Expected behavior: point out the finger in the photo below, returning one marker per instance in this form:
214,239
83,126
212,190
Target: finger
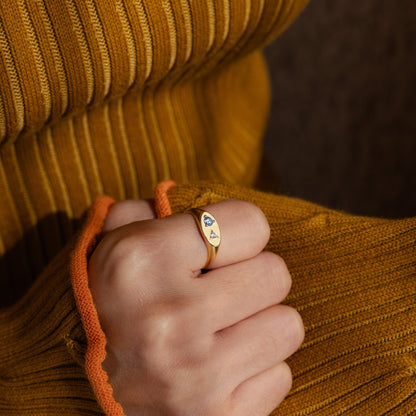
232,293
174,246
259,342
126,212
262,393
244,233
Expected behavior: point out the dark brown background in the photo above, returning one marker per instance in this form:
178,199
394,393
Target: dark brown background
342,131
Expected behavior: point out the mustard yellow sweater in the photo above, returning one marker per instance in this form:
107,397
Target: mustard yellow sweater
114,96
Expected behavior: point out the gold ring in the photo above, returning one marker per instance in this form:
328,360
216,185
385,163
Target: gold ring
209,230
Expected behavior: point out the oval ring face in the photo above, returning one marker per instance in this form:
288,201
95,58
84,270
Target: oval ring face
210,229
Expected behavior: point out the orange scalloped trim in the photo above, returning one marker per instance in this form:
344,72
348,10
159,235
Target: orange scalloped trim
95,336
79,277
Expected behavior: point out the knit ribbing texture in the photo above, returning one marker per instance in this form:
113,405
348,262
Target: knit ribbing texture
112,97
42,350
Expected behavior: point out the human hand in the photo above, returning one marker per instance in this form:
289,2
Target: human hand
183,344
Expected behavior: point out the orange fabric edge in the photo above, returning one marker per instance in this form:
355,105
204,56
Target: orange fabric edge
162,206
95,336
96,353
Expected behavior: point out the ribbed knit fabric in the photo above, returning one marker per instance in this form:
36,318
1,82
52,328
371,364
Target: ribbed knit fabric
113,96
42,349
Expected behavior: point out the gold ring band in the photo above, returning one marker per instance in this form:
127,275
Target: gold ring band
210,231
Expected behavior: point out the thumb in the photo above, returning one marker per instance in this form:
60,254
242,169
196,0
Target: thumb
126,212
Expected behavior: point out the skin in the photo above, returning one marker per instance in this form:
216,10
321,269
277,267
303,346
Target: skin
182,343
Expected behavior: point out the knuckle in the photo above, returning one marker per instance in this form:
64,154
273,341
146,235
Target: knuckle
256,219
115,216
124,256
136,250
251,215
170,331
158,329
276,269
113,271
125,212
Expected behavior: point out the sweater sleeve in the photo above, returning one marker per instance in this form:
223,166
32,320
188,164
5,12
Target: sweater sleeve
43,342
354,281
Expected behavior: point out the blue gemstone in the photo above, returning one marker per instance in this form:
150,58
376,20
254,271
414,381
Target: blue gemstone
208,221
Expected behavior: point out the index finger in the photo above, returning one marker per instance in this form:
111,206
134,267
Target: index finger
174,244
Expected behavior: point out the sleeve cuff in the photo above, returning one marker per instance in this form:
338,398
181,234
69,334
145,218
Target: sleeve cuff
96,353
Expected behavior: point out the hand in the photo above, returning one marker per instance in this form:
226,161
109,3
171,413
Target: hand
179,343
